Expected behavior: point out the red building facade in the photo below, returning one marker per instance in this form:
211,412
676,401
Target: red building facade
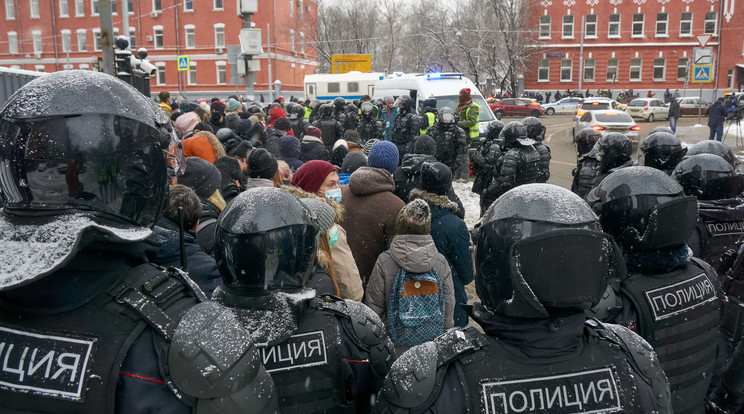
51,35
634,44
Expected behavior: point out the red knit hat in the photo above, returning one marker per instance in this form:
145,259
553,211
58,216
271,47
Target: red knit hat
310,175
199,146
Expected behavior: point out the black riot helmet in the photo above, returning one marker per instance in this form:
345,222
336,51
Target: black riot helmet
339,104
662,129
406,101
446,116
494,129
265,240
325,110
291,112
298,110
532,228
314,104
351,108
713,147
614,150
367,108
515,134
644,209
535,128
84,142
255,108
708,177
430,103
662,150
585,140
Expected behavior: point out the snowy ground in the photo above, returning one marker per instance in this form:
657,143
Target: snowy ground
470,201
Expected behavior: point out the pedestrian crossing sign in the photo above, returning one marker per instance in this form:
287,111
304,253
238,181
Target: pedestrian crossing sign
183,62
701,74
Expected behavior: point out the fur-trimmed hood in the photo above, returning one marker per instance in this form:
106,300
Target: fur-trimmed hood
434,200
300,193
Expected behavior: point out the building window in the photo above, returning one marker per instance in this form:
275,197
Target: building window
94,7
613,30
38,46
589,65
662,20
190,36
82,40
659,69
34,9
79,8
637,25
160,74
219,35
291,8
302,43
292,40
188,5
9,10
192,74
67,66
39,68
132,38
66,40
568,23
711,20
96,39
334,87
302,9
64,9
682,65
544,27
590,28
566,69
543,70
217,4
612,69
730,81
157,36
221,73
635,69
685,24
157,5
130,6
12,43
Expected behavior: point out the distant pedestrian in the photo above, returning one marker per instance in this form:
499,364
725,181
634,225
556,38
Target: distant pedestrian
548,94
674,113
716,116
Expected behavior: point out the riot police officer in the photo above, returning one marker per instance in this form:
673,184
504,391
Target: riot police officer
713,147
537,342
671,299
339,110
369,127
428,114
406,127
614,151
314,114
90,325
536,132
352,117
587,161
484,160
331,129
450,139
323,353
518,164
296,115
662,150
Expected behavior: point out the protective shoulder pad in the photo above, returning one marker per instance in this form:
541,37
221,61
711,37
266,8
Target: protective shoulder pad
368,327
411,379
213,359
456,342
645,359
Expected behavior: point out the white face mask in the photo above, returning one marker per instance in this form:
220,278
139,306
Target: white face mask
334,194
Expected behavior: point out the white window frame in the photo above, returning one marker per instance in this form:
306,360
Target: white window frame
9,10
160,71
683,21
632,67
610,24
714,20
132,38
659,62
38,41
683,62
292,41
730,79
567,24
217,42
84,66
189,30
570,69
221,68
291,8
615,68
33,8
40,68
191,72
68,66
664,23
66,40
79,8
188,10
302,10
545,27
82,34
130,7
96,39
94,6
590,63
216,3
13,43
155,30
157,6
633,34
543,64
64,8
302,44
593,24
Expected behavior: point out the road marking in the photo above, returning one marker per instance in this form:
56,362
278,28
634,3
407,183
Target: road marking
563,162
550,136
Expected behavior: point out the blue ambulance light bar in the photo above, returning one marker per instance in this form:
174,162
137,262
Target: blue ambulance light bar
438,75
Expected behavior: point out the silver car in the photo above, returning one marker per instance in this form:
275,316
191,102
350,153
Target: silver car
608,121
648,109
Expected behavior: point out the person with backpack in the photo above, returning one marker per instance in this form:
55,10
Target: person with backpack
410,287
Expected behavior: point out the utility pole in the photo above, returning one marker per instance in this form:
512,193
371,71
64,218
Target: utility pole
581,54
268,58
107,36
125,20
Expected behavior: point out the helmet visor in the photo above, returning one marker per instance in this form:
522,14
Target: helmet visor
446,117
100,163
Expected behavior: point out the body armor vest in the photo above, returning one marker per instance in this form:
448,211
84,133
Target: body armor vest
528,166
369,128
586,170
719,229
678,315
328,130
446,140
594,379
544,165
298,127
69,362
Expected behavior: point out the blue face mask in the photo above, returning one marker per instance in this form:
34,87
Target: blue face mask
333,235
334,194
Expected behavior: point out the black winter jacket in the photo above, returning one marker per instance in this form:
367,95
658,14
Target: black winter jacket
408,177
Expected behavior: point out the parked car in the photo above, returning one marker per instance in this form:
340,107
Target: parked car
689,105
648,109
516,107
598,104
606,121
564,106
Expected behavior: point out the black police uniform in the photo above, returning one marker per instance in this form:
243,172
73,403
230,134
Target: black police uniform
406,127
330,128
585,173
370,127
450,140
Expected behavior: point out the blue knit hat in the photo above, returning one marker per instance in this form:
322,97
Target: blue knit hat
384,154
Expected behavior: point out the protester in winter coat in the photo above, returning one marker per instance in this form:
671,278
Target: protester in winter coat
312,147
716,117
204,145
450,233
289,150
674,113
338,153
320,178
389,113
274,133
262,167
205,179
201,266
352,162
413,250
371,207
217,118
233,180
186,122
